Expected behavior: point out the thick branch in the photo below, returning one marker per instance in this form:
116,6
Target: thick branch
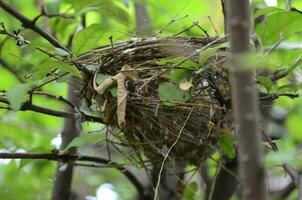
31,107
28,106
31,25
244,102
63,178
73,157
143,24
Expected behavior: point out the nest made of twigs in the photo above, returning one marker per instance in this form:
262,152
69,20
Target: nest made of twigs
187,127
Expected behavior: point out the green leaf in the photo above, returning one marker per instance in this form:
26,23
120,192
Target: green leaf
61,52
87,39
177,75
100,78
10,52
105,7
266,82
294,125
79,5
170,92
113,91
279,25
63,66
50,66
53,7
280,157
190,191
84,140
18,94
290,88
188,64
267,11
208,53
226,145
108,8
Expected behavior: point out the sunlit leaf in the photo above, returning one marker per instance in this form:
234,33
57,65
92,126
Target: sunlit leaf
190,191
226,145
87,39
279,25
63,66
108,8
18,94
100,78
266,82
280,157
170,92
204,55
178,75
291,88
267,11
61,52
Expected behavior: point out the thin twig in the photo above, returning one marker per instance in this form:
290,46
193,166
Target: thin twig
167,154
291,171
171,22
214,181
29,24
73,157
59,98
31,107
210,19
203,30
186,29
284,73
46,14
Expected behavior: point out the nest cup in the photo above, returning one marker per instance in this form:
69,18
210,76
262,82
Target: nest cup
177,94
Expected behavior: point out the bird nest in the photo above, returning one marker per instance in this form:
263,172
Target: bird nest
166,95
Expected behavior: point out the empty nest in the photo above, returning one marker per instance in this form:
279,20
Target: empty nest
177,93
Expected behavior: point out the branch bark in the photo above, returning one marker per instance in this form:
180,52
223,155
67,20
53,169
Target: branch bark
143,25
67,157
244,100
28,106
226,183
63,180
31,25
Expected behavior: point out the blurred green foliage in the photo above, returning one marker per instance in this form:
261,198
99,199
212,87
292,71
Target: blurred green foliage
29,131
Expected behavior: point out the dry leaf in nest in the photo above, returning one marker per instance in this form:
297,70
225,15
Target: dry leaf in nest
119,79
185,85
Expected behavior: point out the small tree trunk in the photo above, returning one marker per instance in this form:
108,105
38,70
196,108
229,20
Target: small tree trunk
244,101
63,178
143,25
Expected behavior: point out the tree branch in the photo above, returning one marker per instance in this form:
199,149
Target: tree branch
244,103
28,106
31,107
31,25
73,157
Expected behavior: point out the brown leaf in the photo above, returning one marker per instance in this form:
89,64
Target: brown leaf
185,85
105,85
121,99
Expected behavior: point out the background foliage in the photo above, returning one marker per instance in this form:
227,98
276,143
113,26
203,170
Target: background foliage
32,132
